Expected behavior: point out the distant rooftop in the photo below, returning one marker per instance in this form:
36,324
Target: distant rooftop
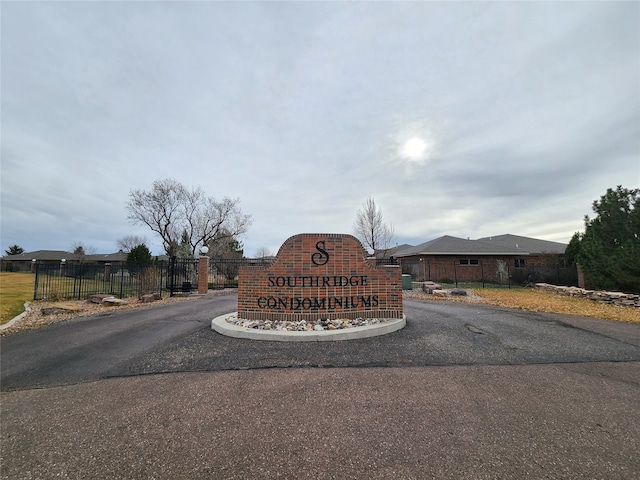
59,255
497,245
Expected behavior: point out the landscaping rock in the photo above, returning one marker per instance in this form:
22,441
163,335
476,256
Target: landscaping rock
429,287
612,298
439,293
98,298
113,301
459,292
148,298
61,309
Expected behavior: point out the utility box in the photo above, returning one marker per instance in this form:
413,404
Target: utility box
406,282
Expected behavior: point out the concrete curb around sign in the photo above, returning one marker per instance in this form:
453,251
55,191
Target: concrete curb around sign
220,325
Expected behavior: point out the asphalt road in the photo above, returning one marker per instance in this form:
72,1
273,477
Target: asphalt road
88,348
462,392
178,338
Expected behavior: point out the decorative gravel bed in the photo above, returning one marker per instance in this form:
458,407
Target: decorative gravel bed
304,325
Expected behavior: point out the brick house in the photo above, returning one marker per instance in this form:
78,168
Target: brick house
497,259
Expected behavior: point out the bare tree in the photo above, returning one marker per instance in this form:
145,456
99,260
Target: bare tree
263,252
224,245
170,208
128,242
81,250
371,229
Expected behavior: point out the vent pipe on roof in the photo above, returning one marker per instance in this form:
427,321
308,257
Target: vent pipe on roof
517,246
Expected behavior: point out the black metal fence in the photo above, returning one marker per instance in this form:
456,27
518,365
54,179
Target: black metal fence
223,272
182,275
59,281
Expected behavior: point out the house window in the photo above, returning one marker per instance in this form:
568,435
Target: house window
520,263
469,261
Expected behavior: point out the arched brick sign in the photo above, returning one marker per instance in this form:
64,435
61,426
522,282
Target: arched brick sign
320,276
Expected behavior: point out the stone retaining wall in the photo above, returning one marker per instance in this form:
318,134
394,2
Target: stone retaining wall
613,298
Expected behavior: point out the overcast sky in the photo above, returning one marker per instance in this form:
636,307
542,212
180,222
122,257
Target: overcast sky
521,115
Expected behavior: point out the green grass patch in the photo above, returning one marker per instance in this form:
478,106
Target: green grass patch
15,290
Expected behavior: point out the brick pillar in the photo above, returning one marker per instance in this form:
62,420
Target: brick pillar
203,274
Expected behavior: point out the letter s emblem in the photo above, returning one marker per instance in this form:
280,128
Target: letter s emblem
321,257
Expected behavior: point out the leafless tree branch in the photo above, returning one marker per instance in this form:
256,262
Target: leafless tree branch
170,208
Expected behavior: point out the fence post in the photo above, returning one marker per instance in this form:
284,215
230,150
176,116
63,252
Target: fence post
35,284
203,274
172,267
80,281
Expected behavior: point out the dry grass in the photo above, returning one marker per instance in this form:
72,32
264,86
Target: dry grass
539,301
15,290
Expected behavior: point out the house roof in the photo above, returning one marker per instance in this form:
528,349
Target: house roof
58,255
108,257
44,255
498,245
391,252
532,245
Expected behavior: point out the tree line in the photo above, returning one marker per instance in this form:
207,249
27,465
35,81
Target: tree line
187,219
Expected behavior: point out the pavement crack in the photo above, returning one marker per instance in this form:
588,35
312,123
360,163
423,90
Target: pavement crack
475,330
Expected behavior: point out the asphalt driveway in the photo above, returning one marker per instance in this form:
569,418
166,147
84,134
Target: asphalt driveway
463,391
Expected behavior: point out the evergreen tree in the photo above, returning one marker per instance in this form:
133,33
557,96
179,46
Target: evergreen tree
139,256
184,249
609,249
572,251
14,250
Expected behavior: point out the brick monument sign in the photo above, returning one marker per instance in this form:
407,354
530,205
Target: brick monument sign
317,276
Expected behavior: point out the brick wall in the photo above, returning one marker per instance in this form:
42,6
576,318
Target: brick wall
320,276
440,268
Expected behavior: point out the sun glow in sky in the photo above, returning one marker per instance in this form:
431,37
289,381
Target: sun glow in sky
414,148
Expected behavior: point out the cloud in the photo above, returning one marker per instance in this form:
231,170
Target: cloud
531,111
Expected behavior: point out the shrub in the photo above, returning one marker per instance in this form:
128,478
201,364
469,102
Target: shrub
149,280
